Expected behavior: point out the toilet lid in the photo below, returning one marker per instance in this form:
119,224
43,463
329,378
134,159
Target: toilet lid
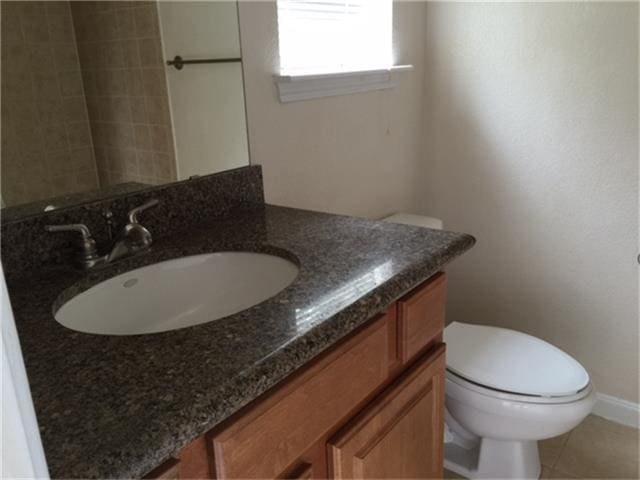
511,361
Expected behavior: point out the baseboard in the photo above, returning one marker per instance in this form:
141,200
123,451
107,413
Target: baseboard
617,410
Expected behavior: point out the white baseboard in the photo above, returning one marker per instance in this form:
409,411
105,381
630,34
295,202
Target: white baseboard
617,410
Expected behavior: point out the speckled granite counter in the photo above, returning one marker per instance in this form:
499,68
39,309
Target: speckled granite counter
117,406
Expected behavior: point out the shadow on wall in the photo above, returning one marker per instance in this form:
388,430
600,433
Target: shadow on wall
532,146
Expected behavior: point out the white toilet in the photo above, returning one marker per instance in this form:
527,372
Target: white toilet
505,390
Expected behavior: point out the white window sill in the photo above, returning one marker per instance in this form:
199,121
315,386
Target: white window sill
292,88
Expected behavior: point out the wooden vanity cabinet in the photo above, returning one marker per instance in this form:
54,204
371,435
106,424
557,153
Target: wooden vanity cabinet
372,407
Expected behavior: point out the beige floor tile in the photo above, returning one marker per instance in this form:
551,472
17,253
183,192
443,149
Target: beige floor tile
551,474
448,474
551,449
598,448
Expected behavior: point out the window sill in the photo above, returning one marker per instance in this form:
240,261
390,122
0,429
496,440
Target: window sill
292,88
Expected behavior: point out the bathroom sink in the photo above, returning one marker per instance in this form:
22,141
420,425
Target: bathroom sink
177,293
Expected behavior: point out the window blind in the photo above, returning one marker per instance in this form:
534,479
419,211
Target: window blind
334,35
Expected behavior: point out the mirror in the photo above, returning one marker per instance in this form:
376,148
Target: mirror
107,97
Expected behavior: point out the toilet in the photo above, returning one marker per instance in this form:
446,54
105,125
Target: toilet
505,391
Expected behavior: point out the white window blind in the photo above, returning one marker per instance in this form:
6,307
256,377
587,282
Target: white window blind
334,35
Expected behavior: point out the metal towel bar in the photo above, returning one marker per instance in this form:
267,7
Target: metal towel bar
178,62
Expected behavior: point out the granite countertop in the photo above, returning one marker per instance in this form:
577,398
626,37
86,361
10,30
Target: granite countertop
117,406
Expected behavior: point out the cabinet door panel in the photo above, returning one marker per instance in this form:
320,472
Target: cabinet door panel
399,434
302,471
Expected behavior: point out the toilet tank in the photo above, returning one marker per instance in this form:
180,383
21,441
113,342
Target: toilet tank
415,220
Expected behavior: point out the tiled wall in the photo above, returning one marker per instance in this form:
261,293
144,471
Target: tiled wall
125,85
46,141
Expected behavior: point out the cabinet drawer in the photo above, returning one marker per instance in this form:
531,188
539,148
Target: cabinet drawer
421,317
272,435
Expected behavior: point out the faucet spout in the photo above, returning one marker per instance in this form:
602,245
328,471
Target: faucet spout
133,238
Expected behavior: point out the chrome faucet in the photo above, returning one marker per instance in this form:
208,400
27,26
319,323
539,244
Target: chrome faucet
132,239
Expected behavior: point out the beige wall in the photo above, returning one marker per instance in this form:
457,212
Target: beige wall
354,154
46,144
529,141
531,144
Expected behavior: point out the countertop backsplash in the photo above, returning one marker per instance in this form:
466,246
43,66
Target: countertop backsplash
27,247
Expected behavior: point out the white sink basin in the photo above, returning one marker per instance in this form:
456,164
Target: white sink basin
177,293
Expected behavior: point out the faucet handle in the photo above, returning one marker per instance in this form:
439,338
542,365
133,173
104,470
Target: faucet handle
72,227
133,213
88,253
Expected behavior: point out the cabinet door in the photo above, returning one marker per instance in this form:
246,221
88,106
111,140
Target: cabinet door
399,434
275,434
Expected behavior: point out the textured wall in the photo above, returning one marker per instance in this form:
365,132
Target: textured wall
356,154
124,80
46,144
531,144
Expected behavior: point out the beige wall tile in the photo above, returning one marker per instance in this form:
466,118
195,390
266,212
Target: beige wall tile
164,164
70,82
11,27
45,85
122,109
55,137
65,56
63,184
130,55
35,28
109,26
50,111
78,134
157,110
40,58
138,109
82,159
134,82
160,138
149,51
146,21
142,136
16,53
113,54
153,80
86,180
75,110
146,163
58,8
58,162
126,24
60,28
17,85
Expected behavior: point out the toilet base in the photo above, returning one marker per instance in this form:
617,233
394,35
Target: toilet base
490,458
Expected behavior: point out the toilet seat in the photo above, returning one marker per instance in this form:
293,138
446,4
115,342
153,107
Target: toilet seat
504,361
516,397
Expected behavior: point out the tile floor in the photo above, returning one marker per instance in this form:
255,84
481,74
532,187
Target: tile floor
597,448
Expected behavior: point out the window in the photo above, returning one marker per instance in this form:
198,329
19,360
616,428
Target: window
329,36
